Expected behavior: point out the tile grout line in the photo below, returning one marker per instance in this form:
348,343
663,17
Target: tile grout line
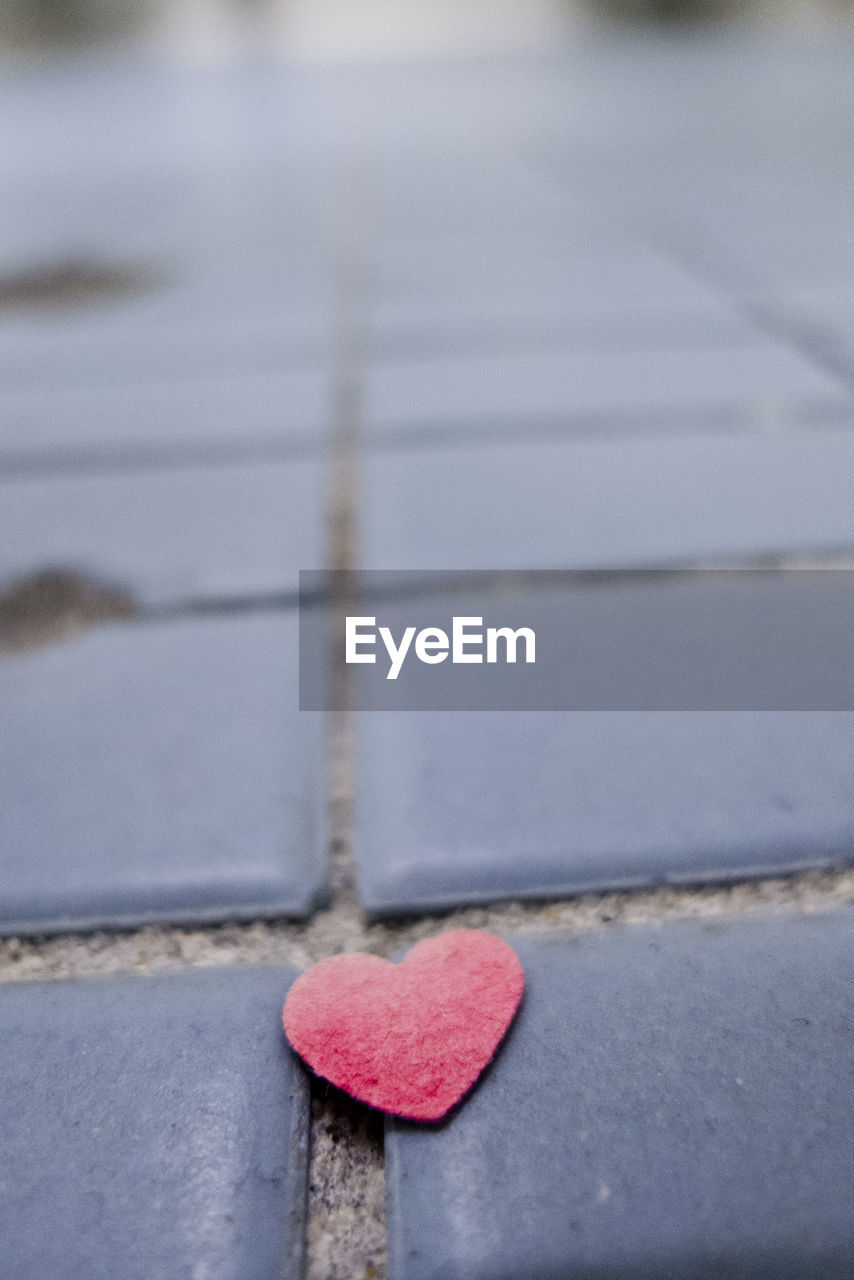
714,265
164,948
346,1219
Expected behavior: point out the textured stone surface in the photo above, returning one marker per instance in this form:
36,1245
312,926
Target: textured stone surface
153,1127
608,504
672,1101
170,535
472,806
159,772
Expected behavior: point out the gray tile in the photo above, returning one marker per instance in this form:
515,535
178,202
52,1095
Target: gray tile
183,169
197,243
171,535
529,267
237,411
822,319
171,274
477,393
473,326
164,117
47,352
452,188
768,224
153,1128
159,772
614,503
202,198
458,807
471,291
672,1101
829,309
189,293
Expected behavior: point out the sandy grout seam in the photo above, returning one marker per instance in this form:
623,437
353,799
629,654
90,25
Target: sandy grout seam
346,1212
166,948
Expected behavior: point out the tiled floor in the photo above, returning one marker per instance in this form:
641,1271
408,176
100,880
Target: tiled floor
589,310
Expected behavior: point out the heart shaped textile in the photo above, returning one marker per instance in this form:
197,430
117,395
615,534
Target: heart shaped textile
409,1038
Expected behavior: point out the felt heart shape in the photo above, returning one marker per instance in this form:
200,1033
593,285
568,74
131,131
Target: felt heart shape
409,1038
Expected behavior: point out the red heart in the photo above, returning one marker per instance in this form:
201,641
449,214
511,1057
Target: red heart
409,1038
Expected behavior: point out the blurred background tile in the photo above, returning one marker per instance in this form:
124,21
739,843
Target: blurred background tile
171,535
592,390
235,413
160,772
658,498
